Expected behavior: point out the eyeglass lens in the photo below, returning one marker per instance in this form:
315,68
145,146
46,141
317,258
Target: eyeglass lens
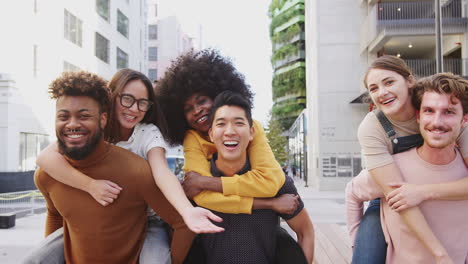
128,100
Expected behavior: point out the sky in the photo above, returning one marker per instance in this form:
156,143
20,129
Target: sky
238,29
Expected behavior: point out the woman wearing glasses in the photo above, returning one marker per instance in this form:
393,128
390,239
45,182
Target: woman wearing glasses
136,124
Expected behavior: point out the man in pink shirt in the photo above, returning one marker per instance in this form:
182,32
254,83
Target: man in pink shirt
442,103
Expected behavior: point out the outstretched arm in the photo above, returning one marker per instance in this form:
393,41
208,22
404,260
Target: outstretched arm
196,218
52,162
302,226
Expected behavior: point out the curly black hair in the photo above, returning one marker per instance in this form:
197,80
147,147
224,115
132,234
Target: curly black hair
81,83
204,72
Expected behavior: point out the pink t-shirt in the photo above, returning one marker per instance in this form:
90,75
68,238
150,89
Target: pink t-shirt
447,219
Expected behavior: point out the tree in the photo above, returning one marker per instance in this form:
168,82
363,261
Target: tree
278,142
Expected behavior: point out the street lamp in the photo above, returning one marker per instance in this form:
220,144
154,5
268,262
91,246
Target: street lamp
438,29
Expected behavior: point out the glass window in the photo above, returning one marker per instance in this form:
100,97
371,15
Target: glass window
103,8
102,48
122,23
153,31
122,59
30,146
69,67
153,74
73,28
153,53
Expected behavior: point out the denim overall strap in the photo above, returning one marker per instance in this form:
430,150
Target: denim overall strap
387,126
402,144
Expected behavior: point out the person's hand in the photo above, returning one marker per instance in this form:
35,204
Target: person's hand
104,191
192,184
406,195
285,204
198,219
445,259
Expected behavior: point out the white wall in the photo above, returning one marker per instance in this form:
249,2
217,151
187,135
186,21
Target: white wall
334,69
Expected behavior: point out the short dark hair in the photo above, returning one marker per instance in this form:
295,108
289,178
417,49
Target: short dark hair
205,72
81,83
442,83
231,99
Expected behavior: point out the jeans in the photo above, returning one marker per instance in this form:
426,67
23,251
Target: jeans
155,248
370,246
49,251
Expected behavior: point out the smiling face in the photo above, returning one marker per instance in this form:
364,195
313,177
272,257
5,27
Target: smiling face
197,109
78,125
390,93
440,119
231,134
129,117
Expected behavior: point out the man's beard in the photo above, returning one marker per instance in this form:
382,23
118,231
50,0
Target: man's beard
77,153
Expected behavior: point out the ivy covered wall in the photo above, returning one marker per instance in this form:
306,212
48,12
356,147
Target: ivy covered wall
288,60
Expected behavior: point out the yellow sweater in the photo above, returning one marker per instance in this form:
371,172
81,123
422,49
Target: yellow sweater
264,180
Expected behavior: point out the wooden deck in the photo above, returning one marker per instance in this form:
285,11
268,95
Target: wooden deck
332,245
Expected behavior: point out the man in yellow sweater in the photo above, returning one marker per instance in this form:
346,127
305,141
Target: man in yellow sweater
92,233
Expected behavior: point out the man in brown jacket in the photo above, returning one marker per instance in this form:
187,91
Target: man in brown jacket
92,233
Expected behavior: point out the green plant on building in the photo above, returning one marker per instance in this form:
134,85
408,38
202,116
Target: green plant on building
288,60
277,141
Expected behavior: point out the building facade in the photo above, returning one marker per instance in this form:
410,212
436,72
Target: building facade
44,38
333,77
167,40
407,29
288,60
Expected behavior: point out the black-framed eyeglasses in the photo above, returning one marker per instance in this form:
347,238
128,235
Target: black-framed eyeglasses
128,100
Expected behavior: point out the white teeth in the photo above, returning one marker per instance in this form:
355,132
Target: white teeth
202,119
232,142
130,117
74,136
388,101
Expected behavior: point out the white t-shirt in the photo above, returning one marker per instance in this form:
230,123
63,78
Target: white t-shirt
144,138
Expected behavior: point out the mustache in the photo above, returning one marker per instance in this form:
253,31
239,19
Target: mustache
441,128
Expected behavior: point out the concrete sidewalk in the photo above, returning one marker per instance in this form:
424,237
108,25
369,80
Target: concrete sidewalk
16,242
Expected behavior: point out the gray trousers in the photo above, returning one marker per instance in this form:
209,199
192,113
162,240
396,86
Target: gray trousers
155,248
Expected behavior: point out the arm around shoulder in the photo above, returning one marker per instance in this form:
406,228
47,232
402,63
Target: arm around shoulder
51,161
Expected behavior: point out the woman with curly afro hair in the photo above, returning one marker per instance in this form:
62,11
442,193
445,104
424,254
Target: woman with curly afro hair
186,92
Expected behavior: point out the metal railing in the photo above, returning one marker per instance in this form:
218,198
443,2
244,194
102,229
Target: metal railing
425,67
21,203
419,16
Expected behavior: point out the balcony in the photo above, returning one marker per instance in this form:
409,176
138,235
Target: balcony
390,19
298,56
425,67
